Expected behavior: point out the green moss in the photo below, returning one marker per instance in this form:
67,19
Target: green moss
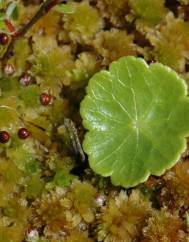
84,23
115,11
23,158
62,178
9,115
34,187
171,43
30,95
22,49
38,191
8,85
150,11
114,44
51,66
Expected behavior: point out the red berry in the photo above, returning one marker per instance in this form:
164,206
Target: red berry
4,137
9,69
4,39
45,99
25,80
23,133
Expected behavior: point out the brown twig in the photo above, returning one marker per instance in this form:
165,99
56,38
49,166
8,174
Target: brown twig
43,10
74,138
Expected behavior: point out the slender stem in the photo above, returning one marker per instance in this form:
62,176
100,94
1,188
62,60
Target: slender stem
43,10
10,26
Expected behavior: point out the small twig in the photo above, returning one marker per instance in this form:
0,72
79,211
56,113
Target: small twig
43,10
75,142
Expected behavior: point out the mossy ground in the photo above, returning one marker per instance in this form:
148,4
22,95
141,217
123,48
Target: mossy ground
47,193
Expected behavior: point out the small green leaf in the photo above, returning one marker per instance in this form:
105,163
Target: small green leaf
65,8
12,11
138,117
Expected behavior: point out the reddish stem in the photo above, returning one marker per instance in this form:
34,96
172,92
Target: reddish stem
43,10
10,27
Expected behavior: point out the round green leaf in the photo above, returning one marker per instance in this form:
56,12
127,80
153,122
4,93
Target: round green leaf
137,117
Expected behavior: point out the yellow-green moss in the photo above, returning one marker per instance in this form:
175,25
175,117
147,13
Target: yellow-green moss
84,23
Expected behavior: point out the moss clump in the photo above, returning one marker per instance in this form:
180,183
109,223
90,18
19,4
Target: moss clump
177,187
52,64
84,67
67,210
113,44
47,194
115,11
10,178
78,237
84,23
84,200
14,219
151,12
9,116
23,155
164,226
23,50
122,219
171,43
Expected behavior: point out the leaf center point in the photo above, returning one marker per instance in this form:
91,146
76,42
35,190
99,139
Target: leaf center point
136,124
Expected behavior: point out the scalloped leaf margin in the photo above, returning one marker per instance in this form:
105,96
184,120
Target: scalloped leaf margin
137,117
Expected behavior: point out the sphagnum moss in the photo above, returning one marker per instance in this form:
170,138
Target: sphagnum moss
113,44
122,219
46,193
164,226
114,11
